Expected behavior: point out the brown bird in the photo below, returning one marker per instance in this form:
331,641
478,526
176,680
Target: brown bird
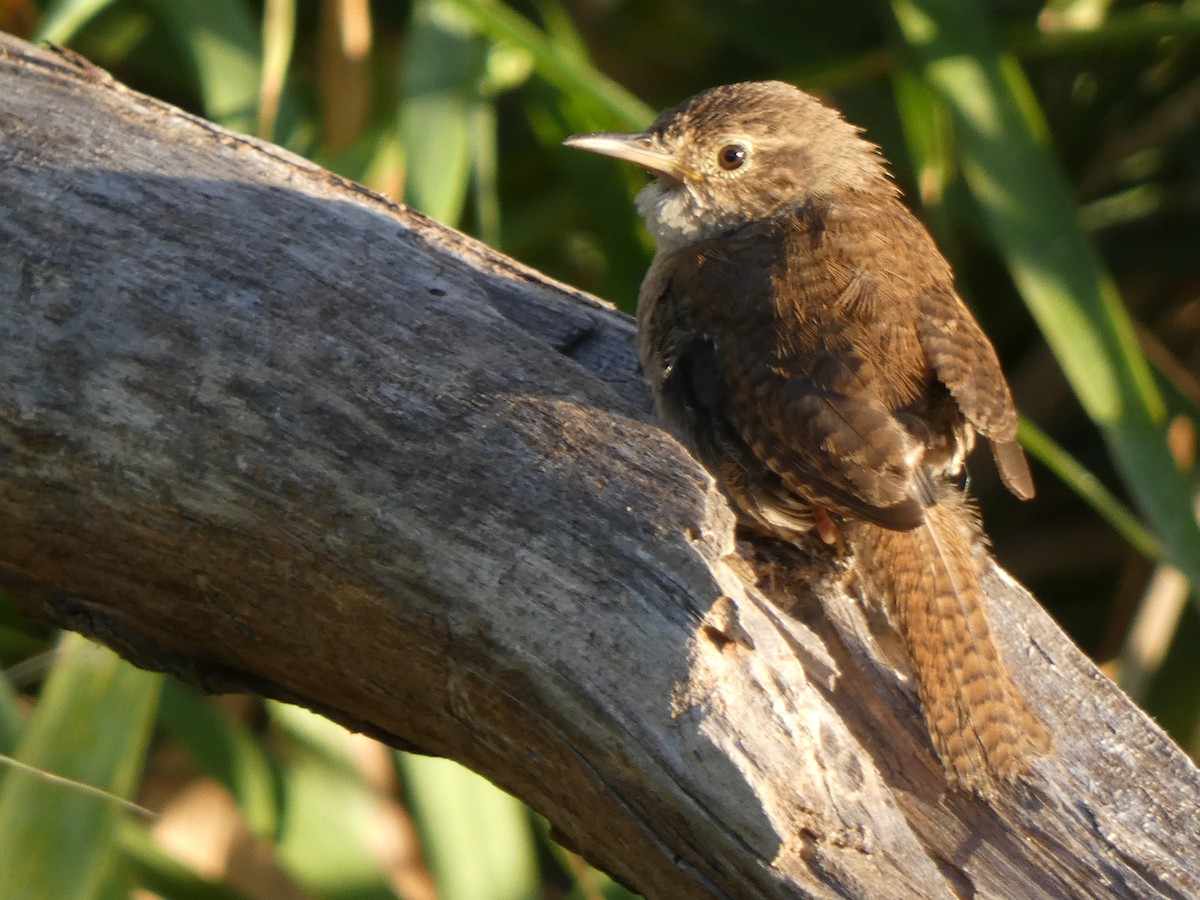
804,339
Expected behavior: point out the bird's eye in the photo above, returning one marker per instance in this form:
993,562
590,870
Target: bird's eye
731,156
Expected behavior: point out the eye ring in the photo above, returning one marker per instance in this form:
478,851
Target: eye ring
732,156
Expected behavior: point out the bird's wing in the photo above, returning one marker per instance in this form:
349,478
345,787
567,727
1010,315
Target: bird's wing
955,347
884,326
966,363
797,398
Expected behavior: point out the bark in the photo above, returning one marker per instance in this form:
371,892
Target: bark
265,430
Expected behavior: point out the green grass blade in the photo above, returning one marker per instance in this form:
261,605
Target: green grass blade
1119,31
72,784
222,42
928,135
561,29
444,62
930,138
92,723
381,166
560,66
485,167
330,836
1033,222
228,752
1089,488
1143,24
12,716
64,19
479,841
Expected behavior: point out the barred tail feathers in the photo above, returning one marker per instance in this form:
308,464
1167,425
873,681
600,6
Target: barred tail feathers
982,728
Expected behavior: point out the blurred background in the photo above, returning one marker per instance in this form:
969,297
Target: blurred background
1052,147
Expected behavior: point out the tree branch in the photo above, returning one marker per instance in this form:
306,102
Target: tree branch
265,430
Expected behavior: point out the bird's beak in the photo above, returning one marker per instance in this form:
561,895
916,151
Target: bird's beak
635,148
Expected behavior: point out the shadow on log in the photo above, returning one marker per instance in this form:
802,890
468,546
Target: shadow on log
267,431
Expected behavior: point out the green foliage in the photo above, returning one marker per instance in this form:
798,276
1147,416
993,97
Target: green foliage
92,723
480,840
1032,221
228,751
1054,150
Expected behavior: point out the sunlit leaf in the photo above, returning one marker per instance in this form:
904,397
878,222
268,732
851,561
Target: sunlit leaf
63,19
443,66
479,840
1087,486
562,67
930,139
92,723
330,831
222,42
485,169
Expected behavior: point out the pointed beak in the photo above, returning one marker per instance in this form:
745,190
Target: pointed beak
635,148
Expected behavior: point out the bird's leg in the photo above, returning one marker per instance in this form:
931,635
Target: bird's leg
827,529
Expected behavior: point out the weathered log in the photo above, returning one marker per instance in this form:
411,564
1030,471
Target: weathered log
265,430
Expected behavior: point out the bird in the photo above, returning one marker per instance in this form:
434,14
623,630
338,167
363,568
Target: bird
804,339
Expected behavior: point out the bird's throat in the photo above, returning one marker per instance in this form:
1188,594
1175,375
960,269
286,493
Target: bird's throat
676,217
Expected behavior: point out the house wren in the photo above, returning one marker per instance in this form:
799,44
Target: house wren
803,337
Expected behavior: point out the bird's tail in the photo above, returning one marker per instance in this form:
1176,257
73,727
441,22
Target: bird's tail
983,729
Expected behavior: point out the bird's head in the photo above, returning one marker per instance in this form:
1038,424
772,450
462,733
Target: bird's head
738,154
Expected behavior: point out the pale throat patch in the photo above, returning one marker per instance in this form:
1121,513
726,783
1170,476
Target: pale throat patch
673,217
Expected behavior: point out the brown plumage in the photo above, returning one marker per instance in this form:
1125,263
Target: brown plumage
803,337
980,723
